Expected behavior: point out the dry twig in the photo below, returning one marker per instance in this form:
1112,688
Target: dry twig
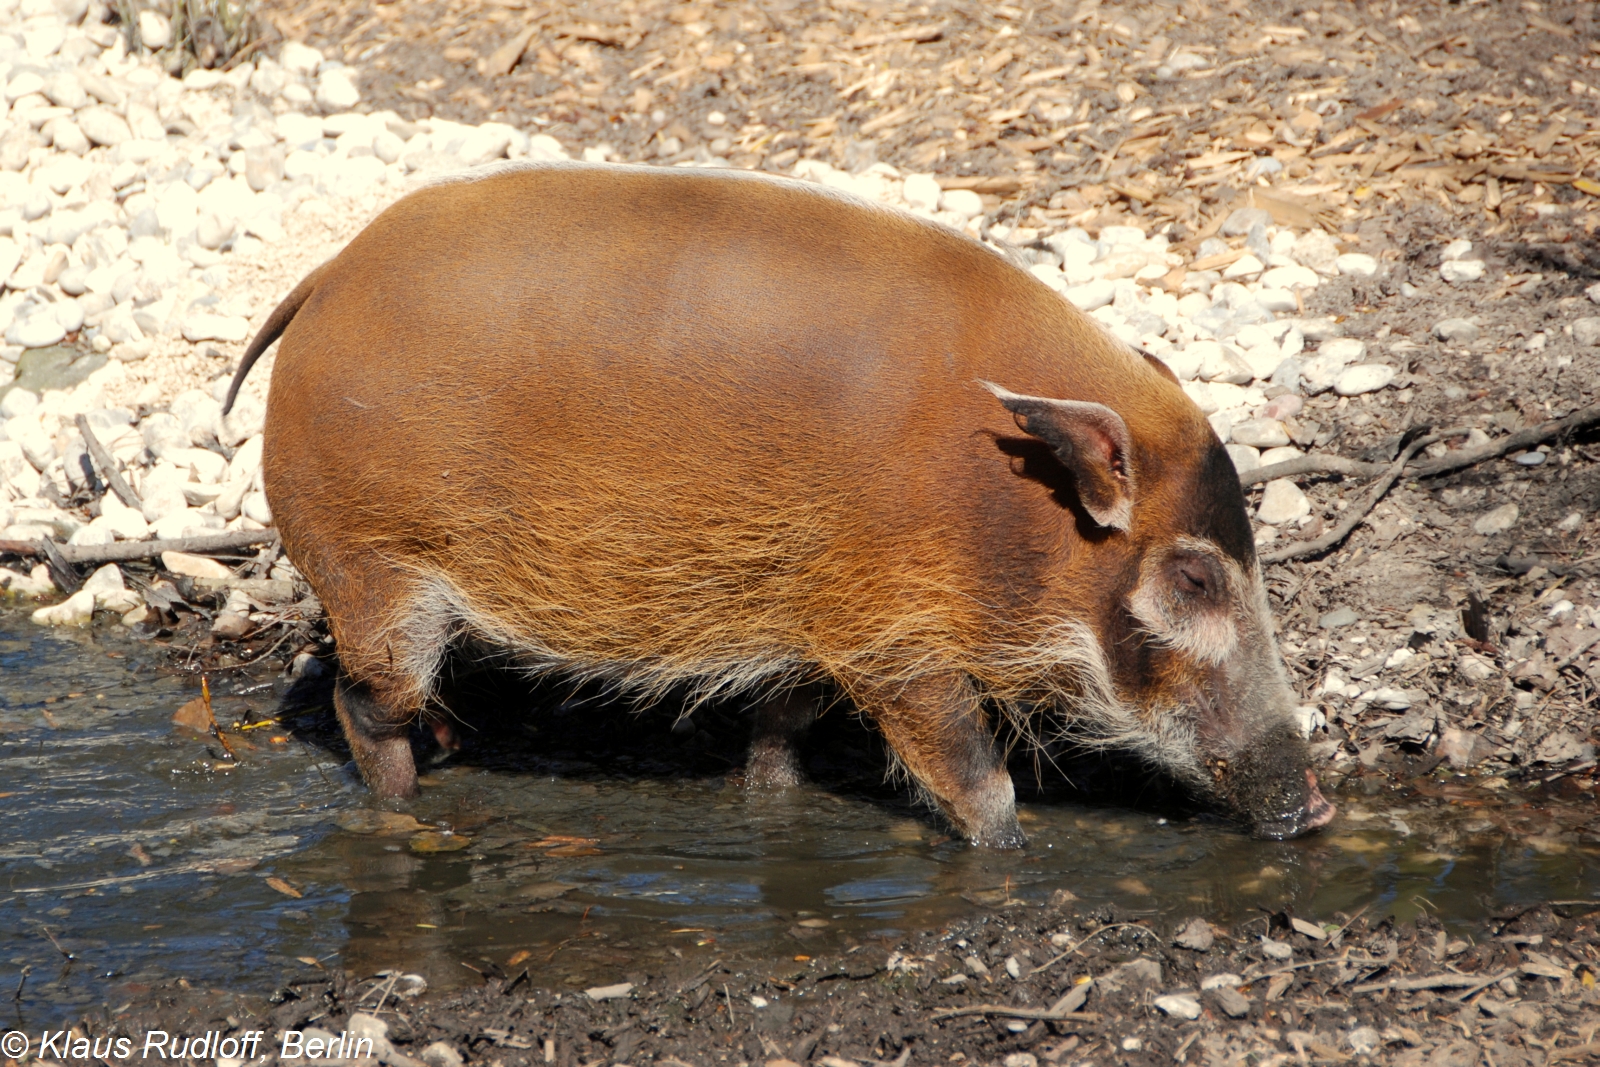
122,551
1357,514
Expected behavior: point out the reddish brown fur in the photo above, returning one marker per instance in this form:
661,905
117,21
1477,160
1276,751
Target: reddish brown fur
664,427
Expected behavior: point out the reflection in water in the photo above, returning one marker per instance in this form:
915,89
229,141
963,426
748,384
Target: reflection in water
129,844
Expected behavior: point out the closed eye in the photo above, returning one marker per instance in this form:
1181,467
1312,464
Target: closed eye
1192,578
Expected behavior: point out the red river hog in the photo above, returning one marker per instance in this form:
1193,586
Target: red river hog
718,434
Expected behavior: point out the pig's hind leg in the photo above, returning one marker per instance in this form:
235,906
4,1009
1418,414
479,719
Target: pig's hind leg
938,729
781,724
392,641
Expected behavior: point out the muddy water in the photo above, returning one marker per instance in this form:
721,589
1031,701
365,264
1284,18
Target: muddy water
144,854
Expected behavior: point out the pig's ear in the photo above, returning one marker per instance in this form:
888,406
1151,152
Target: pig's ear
1091,441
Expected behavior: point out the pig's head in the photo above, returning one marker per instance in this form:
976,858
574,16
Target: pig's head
1189,669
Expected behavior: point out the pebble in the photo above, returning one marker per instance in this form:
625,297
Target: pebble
1497,521
1357,265
1260,433
1284,407
1456,271
155,30
1364,1040
1455,250
1276,950
1337,618
204,327
193,566
1244,457
1362,378
1282,501
442,1054
1461,749
1529,459
1586,331
1246,266
1179,1006
1461,331
963,202
1233,1003
1242,219
609,992
1197,936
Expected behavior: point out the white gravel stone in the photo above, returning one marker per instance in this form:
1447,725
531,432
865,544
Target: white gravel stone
215,328
155,30
39,330
1277,300
921,192
1290,278
1317,250
104,127
1362,378
1357,265
1457,271
1282,501
1093,296
1455,250
336,90
1348,349
1260,433
963,202
1244,457
125,522
1179,1006
1586,331
254,506
1246,266
1457,331
299,58
76,610
1497,521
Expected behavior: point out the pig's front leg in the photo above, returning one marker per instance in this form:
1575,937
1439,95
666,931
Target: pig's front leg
937,727
781,724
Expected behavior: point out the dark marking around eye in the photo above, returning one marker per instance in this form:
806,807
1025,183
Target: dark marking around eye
1216,509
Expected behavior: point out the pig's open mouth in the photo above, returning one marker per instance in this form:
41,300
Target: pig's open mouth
1315,811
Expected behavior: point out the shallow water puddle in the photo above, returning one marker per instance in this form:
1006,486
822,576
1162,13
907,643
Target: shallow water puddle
135,848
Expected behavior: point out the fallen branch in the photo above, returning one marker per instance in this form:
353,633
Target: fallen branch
1576,1052
1465,457
1043,1014
1479,987
121,551
1291,468
107,465
1358,513
1570,660
1411,985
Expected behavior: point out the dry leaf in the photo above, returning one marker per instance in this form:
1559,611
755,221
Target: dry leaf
194,716
519,956
438,841
284,887
363,821
504,58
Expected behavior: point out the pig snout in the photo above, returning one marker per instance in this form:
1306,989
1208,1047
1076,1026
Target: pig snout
1313,812
1269,787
